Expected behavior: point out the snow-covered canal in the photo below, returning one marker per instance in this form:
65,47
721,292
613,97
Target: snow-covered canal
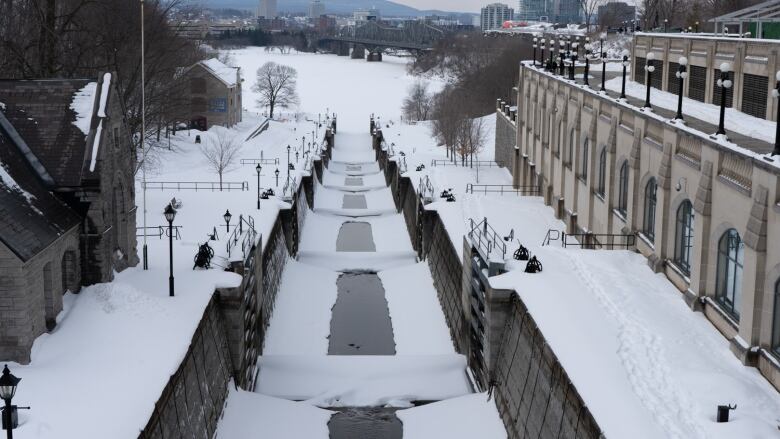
358,345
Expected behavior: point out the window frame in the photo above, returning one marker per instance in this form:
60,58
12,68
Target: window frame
584,162
650,205
601,189
622,206
728,272
682,250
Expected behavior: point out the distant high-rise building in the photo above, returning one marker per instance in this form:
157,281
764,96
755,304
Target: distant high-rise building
316,9
267,9
366,14
494,15
554,11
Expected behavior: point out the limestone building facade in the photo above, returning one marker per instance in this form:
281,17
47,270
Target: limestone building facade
215,94
703,213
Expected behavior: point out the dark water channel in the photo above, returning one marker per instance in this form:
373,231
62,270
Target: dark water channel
354,202
365,423
353,181
360,320
355,236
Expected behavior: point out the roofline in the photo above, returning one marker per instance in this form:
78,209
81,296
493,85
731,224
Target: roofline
755,8
31,158
27,261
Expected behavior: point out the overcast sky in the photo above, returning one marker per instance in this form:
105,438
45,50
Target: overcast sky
454,5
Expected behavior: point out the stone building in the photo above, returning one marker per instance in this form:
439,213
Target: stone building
215,94
67,202
703,212
754,64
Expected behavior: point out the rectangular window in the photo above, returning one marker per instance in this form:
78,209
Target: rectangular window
672,82
656,80
754,95
639,68
697,77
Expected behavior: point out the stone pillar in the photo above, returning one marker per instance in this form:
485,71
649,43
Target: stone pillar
702,206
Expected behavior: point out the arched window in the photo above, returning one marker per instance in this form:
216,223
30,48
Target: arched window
570,155
684,237
776,321
648,222
623,189
560,139
584,161
728,287
602,187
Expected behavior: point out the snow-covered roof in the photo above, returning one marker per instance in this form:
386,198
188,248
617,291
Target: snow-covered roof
83,104
224,73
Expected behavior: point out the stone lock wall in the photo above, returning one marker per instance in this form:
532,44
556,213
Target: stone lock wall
506,140
192,401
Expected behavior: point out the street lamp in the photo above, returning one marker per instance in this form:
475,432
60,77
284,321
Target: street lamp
541,55
227,217
666,24
681,75
552,55
776,95
725,84
297,154
170,214
288,161
258,168
535,40
649,68
573,58
625,65
603,62
696,27
277,176
560,57
587,64
8,385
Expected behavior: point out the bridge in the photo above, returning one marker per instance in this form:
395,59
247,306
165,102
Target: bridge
411,35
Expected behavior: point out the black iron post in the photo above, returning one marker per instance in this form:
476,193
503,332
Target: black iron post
649,74
776,95
170,214
297,154
541,55
623,86
552,55
227,217
277,176
696,27
725,84
258,168
573,60
587,64
666,24
681,75
535,40
288,161
8,418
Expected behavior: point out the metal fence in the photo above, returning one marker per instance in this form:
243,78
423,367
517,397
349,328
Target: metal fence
502,189
591,241
197,185
259,161
158,231
485,238
467,164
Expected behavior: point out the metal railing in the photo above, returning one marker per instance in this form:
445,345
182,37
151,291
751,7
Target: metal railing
468,163
591,241
502,189
158,231
402,166
197,185
290,185
485,238
260,161
248,239
426,189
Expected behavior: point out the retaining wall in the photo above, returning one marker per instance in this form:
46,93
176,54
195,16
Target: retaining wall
506,139
192,401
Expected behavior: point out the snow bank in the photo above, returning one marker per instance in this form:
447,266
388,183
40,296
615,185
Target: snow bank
359,381
464,417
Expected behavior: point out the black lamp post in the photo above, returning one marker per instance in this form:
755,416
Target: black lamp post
560,57
541,55
227,217
681,75
696,27
8,385
666,24
288,161
587,64
170,214
552,55
725,84
573,59
776,95
649,69
535,40
277,176
625,65
258,168
603,62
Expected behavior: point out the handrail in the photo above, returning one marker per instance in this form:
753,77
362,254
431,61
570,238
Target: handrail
260,161
426,189
197,185
552,235
160,231
238,231
502,189
485,238
599,241
289,187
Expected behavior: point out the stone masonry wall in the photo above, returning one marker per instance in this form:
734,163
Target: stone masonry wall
506,139
533,393
192,401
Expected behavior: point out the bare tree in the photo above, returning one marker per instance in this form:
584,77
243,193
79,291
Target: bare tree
276,84
221,152
417,104
589,8
471,139
447,116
